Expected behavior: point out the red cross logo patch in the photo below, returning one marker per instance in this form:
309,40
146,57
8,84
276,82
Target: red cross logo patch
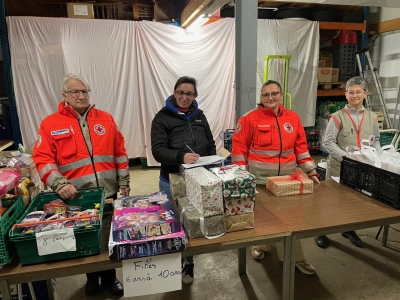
288,127
371,139
99,129
238,127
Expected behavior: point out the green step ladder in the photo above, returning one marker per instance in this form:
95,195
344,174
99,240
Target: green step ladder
284,82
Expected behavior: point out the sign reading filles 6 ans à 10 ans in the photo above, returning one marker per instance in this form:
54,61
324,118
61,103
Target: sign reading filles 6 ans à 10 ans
152,274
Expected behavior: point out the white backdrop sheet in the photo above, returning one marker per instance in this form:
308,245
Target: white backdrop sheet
132,68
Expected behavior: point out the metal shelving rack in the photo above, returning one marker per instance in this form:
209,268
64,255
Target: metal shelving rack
7,72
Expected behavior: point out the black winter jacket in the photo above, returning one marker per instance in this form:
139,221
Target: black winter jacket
170,130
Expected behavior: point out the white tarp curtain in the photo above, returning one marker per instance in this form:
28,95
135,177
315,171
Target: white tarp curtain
132,68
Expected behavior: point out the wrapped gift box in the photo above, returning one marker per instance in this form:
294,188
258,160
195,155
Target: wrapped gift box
177,185
204,191
239,189
290,185
216,164
239,222
197,226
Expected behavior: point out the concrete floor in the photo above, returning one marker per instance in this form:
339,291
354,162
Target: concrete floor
343,271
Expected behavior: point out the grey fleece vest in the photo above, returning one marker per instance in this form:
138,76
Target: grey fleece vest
348,135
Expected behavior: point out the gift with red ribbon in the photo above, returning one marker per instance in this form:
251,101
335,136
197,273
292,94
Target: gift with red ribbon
293,184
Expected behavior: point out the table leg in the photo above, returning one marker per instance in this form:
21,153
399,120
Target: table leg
286,269
292,265
242,261
5,290
50,289
385,235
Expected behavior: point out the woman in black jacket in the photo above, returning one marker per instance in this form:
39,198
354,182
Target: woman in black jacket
180,134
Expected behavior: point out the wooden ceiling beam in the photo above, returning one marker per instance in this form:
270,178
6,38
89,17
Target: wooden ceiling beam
386,26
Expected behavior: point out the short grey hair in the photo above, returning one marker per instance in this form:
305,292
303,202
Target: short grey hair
76,76
357,81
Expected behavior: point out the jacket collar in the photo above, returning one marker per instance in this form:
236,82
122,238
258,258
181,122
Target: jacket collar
169,105
66,109
270,111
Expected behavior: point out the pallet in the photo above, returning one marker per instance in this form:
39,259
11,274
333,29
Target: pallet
331,85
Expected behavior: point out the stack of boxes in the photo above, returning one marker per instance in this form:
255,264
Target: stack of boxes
216,201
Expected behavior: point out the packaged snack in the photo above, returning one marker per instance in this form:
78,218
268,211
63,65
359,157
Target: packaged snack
54,207
35,216
71,210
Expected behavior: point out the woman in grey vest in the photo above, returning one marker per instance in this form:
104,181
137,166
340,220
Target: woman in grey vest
348,127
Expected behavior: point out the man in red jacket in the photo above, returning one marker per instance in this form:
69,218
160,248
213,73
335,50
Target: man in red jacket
81,147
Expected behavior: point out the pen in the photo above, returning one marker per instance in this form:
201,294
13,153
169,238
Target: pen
189,147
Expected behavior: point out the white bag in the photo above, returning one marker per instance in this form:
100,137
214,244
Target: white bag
366,154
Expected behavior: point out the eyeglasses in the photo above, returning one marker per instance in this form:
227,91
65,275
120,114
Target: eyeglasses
75,93
188,94
358,93
273,95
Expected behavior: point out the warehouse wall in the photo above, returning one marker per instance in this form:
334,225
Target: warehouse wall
385,54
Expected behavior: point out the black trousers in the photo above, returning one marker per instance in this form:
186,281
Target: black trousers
106,275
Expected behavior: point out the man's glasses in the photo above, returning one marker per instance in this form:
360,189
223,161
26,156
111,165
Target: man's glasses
75,93
358,93
182,93
273,95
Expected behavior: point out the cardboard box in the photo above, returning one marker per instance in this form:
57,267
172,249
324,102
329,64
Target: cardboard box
335,74
325,74
328,61
290,185
195,225
80,10
204,191
239,222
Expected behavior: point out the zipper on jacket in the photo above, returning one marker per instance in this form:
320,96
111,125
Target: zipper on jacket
252,136
191,132
90,155
280,146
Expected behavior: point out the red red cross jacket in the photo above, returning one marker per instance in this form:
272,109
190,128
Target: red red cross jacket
271,145
61,153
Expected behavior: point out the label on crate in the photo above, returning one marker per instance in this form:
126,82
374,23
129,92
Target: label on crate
366,193
152,275
55,241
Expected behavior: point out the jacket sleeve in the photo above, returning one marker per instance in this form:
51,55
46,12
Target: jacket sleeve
45,158
120,157
159,143
303,157
211,149
241,141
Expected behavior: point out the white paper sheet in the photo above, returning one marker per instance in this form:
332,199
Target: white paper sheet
204,160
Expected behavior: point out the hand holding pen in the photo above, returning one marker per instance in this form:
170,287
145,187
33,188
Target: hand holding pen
190,158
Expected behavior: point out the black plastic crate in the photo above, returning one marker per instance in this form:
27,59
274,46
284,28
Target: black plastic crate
377,183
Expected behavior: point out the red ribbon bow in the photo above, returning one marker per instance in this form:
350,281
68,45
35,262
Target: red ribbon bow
297,175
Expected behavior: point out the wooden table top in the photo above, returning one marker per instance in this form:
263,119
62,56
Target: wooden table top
331,206
266,226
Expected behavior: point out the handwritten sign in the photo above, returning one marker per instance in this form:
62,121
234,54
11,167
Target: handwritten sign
55,241
152,274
